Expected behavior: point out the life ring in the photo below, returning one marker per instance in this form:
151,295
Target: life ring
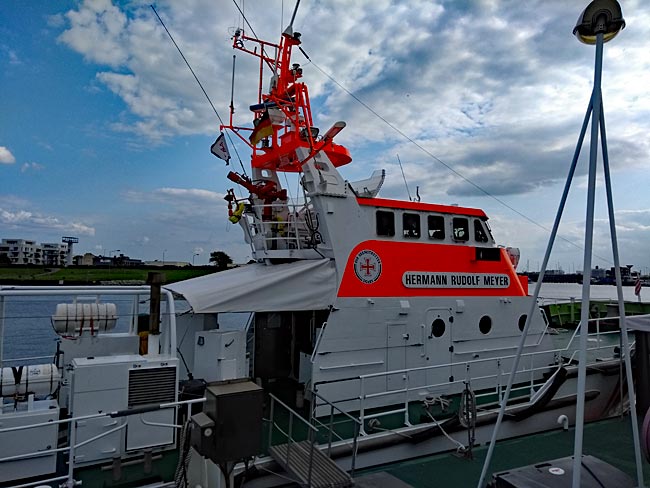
236,215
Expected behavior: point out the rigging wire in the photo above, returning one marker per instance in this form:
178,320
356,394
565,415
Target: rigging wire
419,146
404,176
268,63
437,159
199,83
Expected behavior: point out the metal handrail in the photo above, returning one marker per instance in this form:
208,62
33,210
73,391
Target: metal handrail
70,482
467,364
358,427
312,432
7,291
291,231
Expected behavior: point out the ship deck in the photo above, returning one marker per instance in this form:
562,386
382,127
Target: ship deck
609,440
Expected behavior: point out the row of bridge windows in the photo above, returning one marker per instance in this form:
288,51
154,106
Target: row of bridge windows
435,227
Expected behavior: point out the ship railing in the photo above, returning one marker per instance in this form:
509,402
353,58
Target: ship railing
92,293
292,441
596,336
330,428
501,376
530,371
282,227
72,443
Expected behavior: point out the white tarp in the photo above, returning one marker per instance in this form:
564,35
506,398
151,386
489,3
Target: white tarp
638,322
301,285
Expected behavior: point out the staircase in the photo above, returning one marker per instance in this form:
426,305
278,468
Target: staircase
309,465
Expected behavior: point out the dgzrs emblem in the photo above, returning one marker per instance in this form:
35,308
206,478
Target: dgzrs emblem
367,266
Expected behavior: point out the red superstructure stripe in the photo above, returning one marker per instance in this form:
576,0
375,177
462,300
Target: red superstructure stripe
400,257
426,207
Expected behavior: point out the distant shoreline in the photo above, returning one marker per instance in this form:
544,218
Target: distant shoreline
95,275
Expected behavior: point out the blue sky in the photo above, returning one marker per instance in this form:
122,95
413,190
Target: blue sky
104,134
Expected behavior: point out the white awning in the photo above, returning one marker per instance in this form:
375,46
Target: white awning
301,285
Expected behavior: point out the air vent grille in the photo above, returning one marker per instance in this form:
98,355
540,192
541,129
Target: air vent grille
151,386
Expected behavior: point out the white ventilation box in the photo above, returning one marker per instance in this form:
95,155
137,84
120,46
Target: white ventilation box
111,383
220,355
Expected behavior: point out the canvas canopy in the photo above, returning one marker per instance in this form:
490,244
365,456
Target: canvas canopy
301,285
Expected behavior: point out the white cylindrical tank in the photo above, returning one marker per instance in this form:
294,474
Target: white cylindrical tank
40,379
79,318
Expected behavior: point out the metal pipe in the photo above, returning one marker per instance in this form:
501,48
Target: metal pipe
2,331
596,98
625,352
538,285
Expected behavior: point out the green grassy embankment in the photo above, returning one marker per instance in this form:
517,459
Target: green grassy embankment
94,275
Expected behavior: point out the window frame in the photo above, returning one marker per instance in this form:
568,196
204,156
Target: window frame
413,217
442,228
379,224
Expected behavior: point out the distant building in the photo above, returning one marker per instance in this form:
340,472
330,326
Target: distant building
21,251
88,259
598,273
54,253
24,251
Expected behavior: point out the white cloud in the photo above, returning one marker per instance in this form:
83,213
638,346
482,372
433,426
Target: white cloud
31,167
175,196
494,93
23,219
5,156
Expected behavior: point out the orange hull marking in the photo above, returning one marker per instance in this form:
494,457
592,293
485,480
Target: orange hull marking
400,257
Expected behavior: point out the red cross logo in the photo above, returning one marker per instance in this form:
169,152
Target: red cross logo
367,267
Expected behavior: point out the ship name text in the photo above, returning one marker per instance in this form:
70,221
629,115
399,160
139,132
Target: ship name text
422,279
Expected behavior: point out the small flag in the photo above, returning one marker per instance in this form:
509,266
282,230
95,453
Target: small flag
220,149
637,286
263,128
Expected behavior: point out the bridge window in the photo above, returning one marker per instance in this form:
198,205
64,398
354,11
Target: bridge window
411,225
460,228
479,232
385,223
436,226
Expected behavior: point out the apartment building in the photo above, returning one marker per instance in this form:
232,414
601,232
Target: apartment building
54,253
23,251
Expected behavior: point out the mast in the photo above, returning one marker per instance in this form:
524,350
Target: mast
282,118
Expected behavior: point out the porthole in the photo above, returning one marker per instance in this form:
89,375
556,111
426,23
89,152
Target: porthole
438,328
522,322
485,324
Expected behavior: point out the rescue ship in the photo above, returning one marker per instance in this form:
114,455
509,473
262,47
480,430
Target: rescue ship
378,330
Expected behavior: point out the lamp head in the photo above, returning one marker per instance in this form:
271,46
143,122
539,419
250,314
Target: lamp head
600,17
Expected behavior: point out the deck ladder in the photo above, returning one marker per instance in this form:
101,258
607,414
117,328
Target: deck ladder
301,457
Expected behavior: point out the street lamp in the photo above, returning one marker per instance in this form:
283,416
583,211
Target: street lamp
164,251
193,256
600,22
110,259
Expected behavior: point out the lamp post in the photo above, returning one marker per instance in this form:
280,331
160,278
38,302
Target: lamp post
193,256
110,259
600,22
164,251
